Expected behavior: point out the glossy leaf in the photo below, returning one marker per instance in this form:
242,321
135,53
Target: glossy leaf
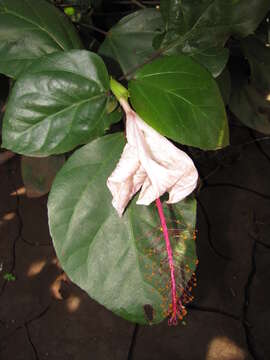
173,16
58,104
251,108
38,174
221,18
117,261
224,83
208,24
130,41
258,56
213,59
250,100
181,100
217,20
30,29
112,118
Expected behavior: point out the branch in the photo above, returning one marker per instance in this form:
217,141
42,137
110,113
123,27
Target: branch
138,4
155,55
147,61
92,27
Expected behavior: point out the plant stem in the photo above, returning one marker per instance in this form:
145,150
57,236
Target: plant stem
138,4
173,319
159,52
92,27
151,58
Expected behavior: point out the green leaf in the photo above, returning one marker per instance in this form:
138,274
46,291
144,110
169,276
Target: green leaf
38,174
224,83
236,15
129,42
119,262
217,20
251,108
250,99
258,56
213,59
204,25
30,29
113,118
173,16
181,100
58,104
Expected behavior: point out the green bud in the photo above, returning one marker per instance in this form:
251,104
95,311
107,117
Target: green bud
69,11
118,90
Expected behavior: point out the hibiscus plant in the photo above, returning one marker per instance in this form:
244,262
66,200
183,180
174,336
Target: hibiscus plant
122,214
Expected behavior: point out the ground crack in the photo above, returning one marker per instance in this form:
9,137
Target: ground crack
25,325
213,310
31,342
267,246
133,342
34,244
247,296
209,231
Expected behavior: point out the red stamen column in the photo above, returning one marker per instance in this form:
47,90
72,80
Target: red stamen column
175,313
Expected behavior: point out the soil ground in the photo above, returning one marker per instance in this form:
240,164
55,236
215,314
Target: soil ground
45,317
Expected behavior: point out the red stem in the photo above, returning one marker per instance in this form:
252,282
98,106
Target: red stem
173,319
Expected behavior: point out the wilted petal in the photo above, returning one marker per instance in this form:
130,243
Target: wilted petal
126,179
152,162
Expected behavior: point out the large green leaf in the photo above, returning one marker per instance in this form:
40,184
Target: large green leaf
28,30
120,262
213,59
224,83
214,21
258,56
201,25
38,174
176,27
250,98
181,100
59,103
251,108
173,16
224,17
130,41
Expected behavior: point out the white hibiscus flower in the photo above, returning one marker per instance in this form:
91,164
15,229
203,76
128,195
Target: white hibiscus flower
151,163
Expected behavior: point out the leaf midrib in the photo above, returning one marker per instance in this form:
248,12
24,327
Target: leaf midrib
142,76
180,97
34,23
30,128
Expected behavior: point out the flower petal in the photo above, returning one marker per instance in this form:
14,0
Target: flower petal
152,162
168,168
126,179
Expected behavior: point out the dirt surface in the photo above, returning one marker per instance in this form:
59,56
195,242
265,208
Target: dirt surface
44,316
